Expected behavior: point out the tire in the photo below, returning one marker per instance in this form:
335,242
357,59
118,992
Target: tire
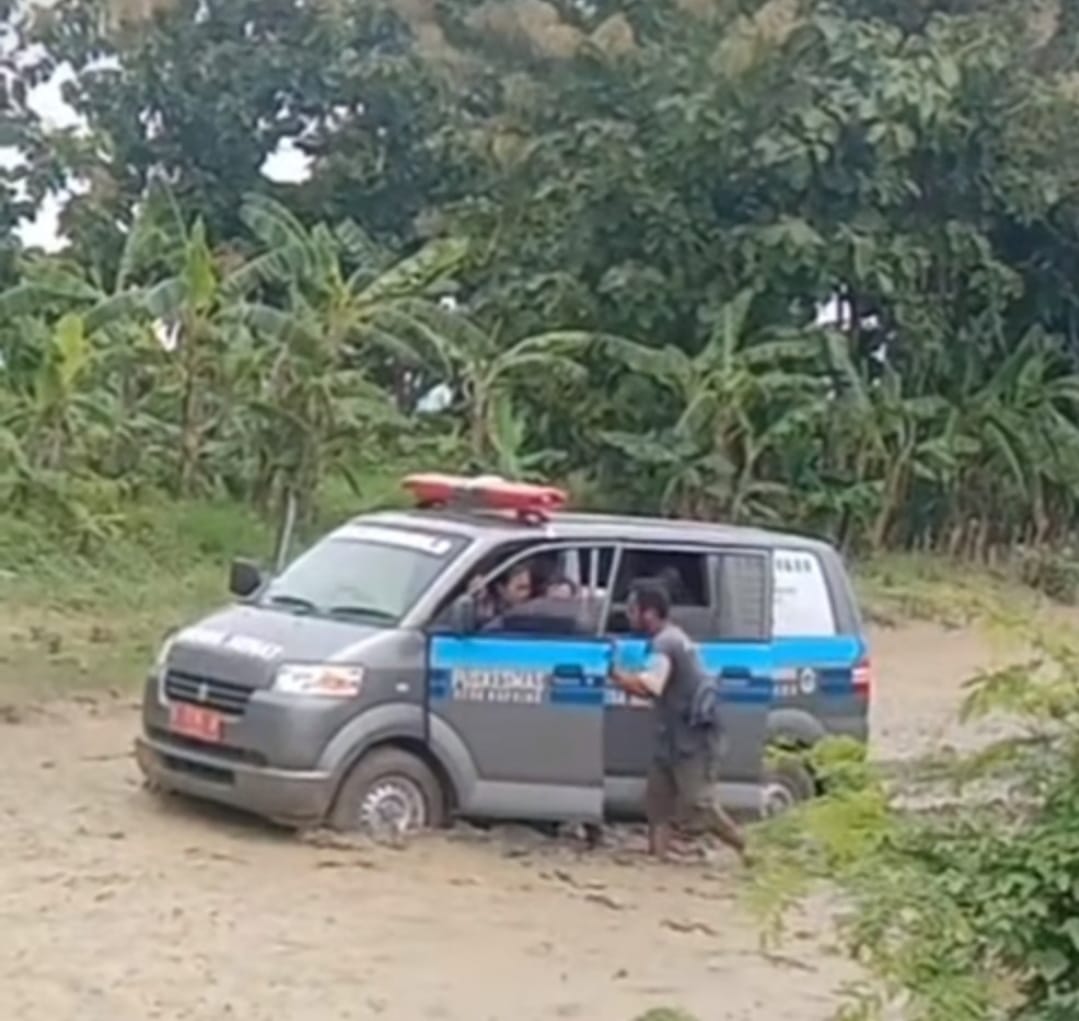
389,791
786,785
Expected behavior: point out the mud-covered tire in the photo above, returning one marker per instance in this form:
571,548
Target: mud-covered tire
389,788
785,785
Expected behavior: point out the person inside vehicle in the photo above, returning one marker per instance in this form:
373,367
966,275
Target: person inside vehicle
556,612
672,579
561,587
687,730
515,588
502,595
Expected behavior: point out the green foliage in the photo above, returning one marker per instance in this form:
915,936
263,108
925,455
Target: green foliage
963,908
694,177
87,616
638,210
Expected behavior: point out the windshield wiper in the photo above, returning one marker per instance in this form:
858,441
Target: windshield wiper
362,611
297,603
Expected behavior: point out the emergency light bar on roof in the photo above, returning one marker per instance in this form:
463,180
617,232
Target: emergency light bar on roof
485,492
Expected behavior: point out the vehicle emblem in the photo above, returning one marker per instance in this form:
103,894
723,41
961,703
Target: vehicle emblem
807,681
203,692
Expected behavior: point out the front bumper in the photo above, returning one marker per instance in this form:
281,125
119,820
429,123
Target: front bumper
270,761
292,797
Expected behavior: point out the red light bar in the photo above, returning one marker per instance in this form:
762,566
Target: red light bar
487,492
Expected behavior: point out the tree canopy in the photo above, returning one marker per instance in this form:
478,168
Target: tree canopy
682,185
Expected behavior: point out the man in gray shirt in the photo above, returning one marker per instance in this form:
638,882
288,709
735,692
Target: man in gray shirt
681,781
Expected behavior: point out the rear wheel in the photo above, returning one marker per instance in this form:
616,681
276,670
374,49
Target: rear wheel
389,792
786,784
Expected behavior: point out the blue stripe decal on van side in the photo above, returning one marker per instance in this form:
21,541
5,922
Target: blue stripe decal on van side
588,692
518,671
840,652
832,658
749,673
744,670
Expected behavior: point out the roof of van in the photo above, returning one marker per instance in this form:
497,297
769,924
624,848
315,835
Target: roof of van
592,527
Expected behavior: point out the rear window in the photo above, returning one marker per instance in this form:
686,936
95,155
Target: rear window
801,603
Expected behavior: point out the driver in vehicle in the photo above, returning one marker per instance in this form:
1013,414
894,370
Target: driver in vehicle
557,611
502,595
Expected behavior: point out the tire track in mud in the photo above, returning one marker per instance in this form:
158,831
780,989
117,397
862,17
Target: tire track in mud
120,905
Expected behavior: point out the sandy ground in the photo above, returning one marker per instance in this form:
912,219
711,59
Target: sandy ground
121,906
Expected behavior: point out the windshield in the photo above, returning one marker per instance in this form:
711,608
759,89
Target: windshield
362,572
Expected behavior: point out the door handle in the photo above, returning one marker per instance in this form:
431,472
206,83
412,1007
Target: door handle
568,672
736,673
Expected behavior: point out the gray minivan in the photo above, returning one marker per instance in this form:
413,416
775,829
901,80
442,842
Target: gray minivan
364,686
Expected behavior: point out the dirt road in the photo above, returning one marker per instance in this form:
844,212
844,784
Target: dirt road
120,906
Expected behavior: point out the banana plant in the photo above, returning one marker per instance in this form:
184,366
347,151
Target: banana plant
479,366
1021,425
108,306
508,434
117,315
57,416
191,307
321,341
730,401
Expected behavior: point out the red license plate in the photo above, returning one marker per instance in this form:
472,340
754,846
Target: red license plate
195,721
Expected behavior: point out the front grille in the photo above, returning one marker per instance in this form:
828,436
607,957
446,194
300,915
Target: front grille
223,696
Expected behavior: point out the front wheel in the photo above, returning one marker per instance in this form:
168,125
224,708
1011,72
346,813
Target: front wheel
389,792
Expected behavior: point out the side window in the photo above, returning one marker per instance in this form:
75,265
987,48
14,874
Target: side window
801,603
686,577
685,574
744,612
590,567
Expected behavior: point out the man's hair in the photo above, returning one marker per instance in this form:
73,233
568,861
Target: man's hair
651,594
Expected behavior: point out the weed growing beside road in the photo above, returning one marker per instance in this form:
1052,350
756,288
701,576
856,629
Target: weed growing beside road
961,911
75,620
77,617
963,906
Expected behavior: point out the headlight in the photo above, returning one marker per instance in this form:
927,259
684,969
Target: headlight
161,664
162,659
325,679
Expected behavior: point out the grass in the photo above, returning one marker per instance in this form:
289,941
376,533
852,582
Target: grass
897,588
75,621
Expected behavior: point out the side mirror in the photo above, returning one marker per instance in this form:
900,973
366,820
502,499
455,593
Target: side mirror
245,578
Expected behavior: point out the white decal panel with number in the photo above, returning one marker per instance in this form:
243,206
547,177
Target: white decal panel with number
801,604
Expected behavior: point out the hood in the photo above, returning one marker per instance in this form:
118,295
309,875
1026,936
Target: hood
246,644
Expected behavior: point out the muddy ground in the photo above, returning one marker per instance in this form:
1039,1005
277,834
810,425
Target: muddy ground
117,905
